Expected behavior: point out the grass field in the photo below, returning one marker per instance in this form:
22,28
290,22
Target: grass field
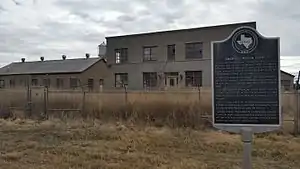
152,130
93,144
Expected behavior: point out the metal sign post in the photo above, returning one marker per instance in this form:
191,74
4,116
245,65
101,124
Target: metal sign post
247,141
246,92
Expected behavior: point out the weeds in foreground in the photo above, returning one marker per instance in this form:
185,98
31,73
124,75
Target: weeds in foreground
97,144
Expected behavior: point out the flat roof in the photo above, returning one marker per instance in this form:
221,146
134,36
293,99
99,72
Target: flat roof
181,30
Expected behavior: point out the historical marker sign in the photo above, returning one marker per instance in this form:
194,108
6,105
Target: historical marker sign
246,82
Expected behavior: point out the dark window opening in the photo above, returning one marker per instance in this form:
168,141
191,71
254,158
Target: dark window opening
12,83
59,83
150,79
121,79
46,82
73,83
171,52
91,84
194,50
2,84
193,78
149,53
34,82
101,82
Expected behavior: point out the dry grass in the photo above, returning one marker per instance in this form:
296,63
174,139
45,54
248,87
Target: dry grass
91,145
152,130
172,109
153,108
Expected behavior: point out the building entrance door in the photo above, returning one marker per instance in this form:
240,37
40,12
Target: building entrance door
172,82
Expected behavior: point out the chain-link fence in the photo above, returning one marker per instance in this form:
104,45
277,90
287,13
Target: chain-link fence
43,102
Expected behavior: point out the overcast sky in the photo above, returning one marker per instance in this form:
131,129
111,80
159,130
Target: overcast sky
50,28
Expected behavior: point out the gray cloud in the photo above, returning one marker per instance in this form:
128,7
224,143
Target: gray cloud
127,18
281,19
2,9
98,7
73,27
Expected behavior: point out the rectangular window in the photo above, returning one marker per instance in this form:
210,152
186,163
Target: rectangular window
121,79
91,84
101,82
73,83
59,83
193,78
171,52
34,82
12,83
194,50
150,79
46,82
121,55
2,84
149,53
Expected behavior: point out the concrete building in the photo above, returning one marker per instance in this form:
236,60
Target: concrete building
164,60
175,59
56,74
168,59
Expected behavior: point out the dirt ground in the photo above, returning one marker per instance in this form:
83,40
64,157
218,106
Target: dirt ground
92,145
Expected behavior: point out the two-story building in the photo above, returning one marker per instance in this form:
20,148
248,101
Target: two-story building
156,60
164,60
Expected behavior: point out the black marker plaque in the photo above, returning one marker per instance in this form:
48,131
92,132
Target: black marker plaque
246,82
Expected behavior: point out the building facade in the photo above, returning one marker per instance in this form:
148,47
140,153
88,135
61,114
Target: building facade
83,73
287,81
164,60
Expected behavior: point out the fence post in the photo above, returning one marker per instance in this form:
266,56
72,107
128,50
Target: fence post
125,92
296,114
44,112
45,101
199,93
83,104
29,98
